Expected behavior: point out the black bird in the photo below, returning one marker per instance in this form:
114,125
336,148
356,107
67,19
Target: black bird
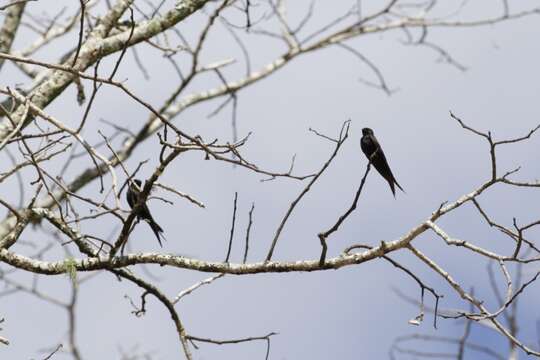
373,151
133,193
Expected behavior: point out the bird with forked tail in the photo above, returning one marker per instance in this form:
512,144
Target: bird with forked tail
133,194
373,151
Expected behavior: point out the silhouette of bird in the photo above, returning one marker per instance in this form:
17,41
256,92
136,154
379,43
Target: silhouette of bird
132,196
373,151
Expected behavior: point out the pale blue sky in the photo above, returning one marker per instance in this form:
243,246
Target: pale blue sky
347,314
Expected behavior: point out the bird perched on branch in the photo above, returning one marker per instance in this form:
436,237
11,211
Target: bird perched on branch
133,194
373,151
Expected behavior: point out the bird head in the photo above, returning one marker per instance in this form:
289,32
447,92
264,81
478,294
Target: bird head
367,131
136,184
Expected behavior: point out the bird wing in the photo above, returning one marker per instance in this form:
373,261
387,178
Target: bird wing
131,197
381,164
374,152
369,145
144,212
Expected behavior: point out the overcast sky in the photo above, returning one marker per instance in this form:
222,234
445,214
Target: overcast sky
352,313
